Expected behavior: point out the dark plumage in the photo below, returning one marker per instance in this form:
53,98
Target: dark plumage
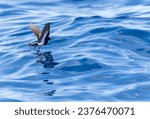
42,36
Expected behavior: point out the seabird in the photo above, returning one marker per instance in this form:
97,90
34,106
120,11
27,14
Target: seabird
42,36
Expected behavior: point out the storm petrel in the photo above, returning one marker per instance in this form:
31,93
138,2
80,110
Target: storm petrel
42,36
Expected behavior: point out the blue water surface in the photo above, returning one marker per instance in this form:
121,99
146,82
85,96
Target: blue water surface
99,50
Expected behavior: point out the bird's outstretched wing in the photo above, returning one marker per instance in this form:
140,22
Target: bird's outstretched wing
45,34
35,30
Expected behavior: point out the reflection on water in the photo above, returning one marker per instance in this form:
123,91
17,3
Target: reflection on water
51,93
103,50
46,59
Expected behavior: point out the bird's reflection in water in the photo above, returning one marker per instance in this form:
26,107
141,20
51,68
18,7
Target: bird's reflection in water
50,93
46,59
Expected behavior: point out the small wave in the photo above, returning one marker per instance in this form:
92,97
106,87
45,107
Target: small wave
99,51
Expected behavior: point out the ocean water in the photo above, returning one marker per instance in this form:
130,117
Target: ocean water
99,51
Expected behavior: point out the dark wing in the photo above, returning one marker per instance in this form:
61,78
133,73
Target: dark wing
45,34
47,39
35,30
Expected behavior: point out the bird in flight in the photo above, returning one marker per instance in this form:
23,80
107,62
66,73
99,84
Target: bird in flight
42,36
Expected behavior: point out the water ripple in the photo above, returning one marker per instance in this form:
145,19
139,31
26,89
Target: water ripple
99,51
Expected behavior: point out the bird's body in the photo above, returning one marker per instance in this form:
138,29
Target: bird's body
42,36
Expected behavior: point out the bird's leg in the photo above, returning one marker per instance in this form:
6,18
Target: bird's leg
34,48
39,49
